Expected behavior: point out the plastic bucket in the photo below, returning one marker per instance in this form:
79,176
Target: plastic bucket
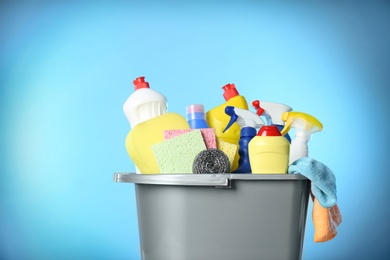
220,216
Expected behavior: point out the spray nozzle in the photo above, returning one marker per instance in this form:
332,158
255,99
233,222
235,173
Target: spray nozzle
271,111
256,105
243,117
229,110
305,124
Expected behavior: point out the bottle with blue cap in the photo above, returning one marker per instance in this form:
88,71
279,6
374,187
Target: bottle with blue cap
248,122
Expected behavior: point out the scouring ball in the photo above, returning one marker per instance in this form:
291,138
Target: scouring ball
211,161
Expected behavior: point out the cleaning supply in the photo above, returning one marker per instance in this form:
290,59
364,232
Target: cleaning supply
208,135
305,125
229,149
141,138
325,221
323,180
248,122
211,161
273,113
217,119
326,213
269,151
176,155
144,103
196,117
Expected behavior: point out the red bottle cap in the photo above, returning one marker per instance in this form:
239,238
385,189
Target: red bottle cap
269,130
140,83
230,91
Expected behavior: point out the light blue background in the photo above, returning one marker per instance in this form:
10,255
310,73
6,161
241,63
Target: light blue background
66,69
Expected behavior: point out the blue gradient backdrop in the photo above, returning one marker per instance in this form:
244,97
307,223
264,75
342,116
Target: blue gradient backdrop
67,67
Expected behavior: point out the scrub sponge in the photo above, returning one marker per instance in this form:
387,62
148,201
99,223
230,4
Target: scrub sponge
176,155
207,133
229,149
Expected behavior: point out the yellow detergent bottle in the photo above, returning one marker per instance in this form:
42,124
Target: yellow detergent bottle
217,118
269,151
141,138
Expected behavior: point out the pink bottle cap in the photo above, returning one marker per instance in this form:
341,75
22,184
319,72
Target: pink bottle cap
196,108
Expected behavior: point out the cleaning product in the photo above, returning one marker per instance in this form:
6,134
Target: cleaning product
273,113
211,161
148,133
229,149
326,214
144,103
305,125
217,119
208,135
248,122
269,151
196,117
176,155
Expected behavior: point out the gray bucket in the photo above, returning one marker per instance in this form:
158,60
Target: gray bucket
220,216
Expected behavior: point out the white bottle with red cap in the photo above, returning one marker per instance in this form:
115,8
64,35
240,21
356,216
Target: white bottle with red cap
144,103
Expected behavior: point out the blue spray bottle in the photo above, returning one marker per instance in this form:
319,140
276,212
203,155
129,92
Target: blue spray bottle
273,113
248,122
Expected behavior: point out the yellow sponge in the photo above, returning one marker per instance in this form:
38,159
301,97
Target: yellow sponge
177,155
229,149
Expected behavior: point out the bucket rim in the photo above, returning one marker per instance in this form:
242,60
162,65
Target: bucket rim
218,179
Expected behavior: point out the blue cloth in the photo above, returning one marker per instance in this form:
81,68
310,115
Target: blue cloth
323,181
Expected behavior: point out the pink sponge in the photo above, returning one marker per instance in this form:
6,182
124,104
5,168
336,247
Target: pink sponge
208,135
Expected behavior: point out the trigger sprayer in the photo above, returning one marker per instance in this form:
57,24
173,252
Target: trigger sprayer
305,125
273,113
248,122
